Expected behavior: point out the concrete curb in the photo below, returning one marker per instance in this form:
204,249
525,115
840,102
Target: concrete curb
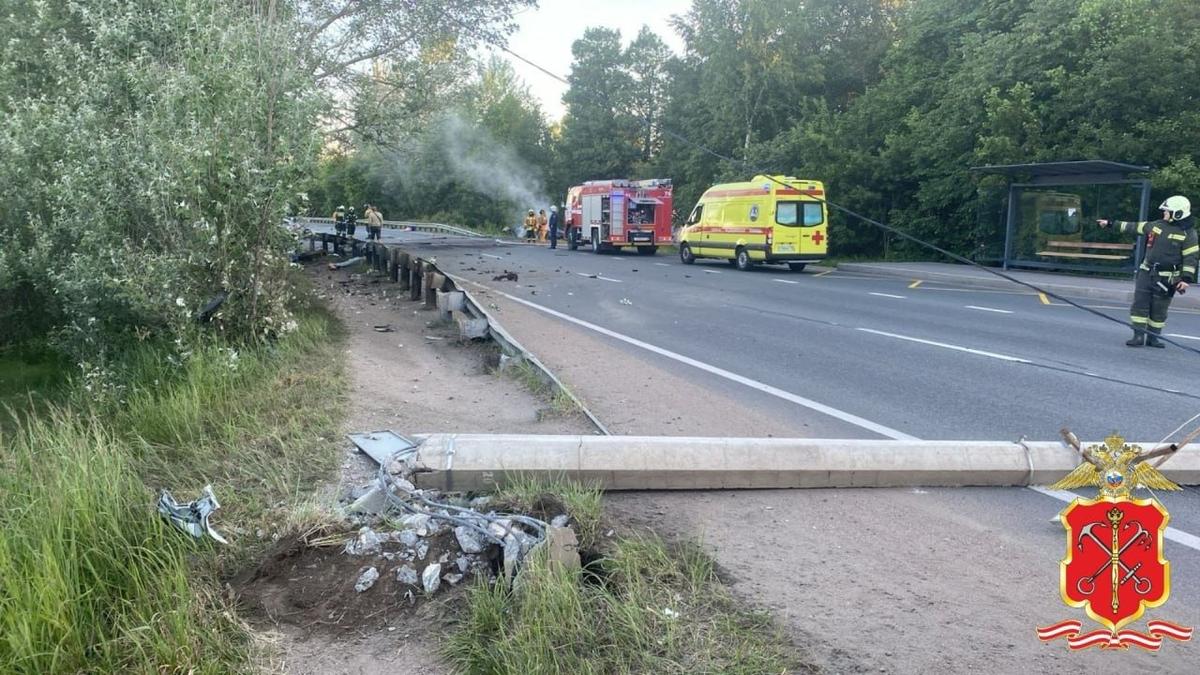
481,462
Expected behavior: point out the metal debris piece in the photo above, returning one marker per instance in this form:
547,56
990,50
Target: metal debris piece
385,328
193,516
383,446
367,579
626,301
431,578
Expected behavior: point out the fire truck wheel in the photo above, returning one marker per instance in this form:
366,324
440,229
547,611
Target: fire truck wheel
685,254
796,267
573,239
595,241
647,250
743,259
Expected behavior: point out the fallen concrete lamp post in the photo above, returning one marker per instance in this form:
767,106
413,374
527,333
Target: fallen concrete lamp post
479,462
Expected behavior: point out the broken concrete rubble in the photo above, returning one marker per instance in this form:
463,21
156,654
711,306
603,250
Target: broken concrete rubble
431,578
367,579
407,575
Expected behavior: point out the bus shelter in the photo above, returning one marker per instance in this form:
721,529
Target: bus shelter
1051,211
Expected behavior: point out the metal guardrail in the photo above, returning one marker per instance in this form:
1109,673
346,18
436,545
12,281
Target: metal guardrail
425,281
405,225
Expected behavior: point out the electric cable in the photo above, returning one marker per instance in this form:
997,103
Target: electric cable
838,207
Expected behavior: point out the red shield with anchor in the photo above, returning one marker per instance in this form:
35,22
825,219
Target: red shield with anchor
1114,567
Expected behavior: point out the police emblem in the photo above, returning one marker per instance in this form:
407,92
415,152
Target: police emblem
1114,568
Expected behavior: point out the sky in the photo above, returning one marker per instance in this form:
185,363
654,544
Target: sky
545,33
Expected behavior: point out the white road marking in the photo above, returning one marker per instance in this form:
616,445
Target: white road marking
786,281
889,295
662,264
489,255
720,372
1177,536
989,309
597,276
617,257
711,272
1185,337
968,350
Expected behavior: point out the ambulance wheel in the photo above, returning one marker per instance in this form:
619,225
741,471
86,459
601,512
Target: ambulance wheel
573,239
685,254
647,250
796,267
595,241
743,259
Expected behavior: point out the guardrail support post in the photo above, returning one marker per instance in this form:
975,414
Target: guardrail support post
394,270
414,280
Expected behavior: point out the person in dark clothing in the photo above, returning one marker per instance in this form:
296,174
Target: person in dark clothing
1167,268
553,227
351,221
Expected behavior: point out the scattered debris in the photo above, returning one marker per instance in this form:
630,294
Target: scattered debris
431,578
193,516
626,301
407,575
366,543
367,579
453,579
386,328
432,337
560,520
346,263
468,540
507,276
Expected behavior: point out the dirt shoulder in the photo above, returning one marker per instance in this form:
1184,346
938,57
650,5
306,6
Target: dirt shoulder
413,375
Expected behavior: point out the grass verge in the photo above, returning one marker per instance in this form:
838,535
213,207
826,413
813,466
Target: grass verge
644,607
91,579
559,402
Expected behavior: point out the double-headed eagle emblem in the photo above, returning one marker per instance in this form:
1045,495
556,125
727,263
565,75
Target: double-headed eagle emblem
1117,468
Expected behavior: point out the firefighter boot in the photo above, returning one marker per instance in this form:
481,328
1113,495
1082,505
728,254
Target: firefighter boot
1138,339
1152,339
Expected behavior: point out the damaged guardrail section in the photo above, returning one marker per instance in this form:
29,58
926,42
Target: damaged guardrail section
480,461
441,291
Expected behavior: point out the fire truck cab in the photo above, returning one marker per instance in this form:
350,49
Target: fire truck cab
611,214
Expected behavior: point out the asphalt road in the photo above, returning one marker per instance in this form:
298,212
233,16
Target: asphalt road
868,357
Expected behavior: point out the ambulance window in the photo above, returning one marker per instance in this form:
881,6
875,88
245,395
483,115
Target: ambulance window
791,213
696,213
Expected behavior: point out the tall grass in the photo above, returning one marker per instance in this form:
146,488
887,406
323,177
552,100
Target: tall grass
91,580
648,608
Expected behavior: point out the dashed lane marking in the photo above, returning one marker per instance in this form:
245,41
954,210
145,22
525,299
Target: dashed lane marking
786,281
711,272
662,264
489,255
821,274
889,295
1184,337
989,309
597,276
943,345
842,415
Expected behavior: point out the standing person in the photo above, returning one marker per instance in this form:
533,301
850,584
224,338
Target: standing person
374,223
553,227
351,221
542,224
1167,268
530,226
339,220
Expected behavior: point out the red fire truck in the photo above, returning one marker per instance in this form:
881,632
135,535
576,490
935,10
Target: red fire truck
610,214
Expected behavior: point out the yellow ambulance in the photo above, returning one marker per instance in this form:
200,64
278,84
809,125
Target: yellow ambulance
766,220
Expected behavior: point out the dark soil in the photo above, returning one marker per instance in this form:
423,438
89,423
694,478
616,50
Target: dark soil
312,588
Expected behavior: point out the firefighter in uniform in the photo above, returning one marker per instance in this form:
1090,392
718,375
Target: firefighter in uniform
530,226
1167,268
339,220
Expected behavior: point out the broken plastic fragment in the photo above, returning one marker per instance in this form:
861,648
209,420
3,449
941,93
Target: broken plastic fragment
193,516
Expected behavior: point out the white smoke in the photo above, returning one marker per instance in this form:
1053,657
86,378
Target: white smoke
489,167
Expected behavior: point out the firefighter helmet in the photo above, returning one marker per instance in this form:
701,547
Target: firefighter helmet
341,208
1178,206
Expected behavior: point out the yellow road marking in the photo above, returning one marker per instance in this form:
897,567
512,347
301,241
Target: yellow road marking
1043,298
915,283
821,274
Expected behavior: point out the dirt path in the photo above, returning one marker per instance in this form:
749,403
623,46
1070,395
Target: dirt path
415,378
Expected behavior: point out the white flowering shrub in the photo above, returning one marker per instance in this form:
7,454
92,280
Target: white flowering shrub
150,151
